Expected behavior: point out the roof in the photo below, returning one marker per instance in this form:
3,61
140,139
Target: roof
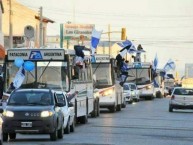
46,20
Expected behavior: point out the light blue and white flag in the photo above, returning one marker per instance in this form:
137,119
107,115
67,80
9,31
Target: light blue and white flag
96,35
127,46
155,62
170,65
19,78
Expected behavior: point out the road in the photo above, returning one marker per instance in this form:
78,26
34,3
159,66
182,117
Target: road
142,123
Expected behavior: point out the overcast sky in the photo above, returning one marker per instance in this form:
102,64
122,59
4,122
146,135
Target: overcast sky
161,26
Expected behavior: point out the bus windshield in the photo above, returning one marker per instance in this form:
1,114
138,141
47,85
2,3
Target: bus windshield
140,76
49,75
102,73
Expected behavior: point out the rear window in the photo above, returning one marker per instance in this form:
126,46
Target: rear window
183,91
30,98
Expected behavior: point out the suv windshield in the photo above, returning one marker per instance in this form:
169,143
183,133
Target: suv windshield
29,98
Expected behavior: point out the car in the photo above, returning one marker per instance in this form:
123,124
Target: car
68,112
181,98
33,111
130,92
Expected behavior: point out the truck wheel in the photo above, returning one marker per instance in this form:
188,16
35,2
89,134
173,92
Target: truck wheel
124,104
61,132
98,107
94,112
72,126
12,135
67,129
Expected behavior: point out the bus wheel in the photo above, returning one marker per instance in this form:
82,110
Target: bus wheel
84,119
119,107
112,109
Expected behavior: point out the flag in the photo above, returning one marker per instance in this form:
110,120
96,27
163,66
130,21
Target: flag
19,78
156,85
155,62
170,65
96,35
127,46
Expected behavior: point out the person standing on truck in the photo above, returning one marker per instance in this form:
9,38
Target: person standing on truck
124,72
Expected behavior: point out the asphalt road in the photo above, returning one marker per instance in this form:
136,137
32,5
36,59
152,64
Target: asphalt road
142,123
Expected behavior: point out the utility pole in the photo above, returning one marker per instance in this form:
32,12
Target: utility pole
41,29
109,34
10,26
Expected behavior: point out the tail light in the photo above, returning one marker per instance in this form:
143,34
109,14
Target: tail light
173,97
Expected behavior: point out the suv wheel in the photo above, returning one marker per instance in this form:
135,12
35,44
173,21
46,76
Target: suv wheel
54,135
5,136
12,135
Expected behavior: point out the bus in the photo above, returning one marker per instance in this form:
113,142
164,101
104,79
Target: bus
107,87
141,74
54,68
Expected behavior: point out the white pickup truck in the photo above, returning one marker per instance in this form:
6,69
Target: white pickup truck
68,111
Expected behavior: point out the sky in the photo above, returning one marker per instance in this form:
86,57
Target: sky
164,27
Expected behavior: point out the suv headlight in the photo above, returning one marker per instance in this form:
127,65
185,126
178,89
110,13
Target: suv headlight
8,113
46,113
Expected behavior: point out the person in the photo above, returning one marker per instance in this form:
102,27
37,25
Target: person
124,73
71,96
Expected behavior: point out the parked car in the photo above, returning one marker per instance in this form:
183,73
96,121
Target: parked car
68,112
130,92
33,111
181,98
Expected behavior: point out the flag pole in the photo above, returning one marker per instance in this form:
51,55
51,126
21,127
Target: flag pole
109,39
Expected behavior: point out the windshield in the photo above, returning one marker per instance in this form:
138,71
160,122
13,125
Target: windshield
49,75
30,98
102,73
139,76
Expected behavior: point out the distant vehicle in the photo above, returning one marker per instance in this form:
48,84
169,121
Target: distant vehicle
68,112
33,111
130,92
181,98
110,92
140,73
168,83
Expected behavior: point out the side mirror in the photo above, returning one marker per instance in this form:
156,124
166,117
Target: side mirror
70,104
60,104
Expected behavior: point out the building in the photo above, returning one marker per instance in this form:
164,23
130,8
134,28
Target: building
2,50
21,17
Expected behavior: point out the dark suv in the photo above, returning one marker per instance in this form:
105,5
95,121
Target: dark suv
33,111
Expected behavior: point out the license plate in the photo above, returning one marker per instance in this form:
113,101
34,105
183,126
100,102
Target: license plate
26,124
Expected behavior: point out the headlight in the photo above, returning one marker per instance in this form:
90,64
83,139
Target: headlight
108,92
46,113
8,113
148,87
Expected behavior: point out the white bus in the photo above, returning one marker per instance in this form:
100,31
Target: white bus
53,69
107,87
140,73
